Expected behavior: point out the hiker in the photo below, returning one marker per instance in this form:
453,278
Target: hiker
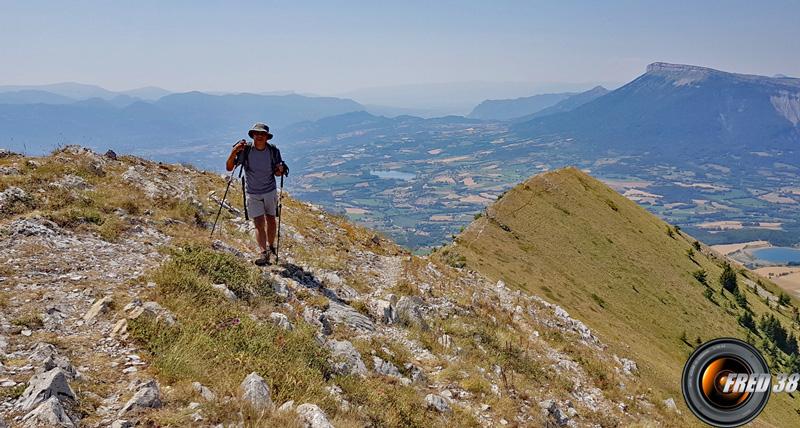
261,163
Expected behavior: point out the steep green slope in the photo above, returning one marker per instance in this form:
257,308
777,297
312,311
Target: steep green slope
630,276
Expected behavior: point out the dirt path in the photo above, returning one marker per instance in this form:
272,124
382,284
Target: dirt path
52,280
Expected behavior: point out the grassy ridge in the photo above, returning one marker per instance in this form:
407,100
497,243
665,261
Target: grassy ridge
630,276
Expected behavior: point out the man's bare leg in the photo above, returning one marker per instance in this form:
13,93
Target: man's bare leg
261,233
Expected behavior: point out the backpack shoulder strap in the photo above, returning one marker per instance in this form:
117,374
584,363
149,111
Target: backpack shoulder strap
274,153
247,149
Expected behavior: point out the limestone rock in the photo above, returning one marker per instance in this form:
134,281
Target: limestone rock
43,386
31,227
255,392
71,181
311,416
100,306
120,329
42,351
344,314
409,312
550,408
416,373
346,360
385,368
438,403
204,392
9,170
11,196
280,286
287,406
281,321
49,413
383,310
222,288
315,317
147,396
136,309
336,392
629,367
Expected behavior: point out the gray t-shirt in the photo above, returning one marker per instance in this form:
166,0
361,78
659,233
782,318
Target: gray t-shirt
260,171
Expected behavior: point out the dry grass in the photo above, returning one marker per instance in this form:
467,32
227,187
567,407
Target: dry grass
32,321
12,393
404,288
609,265
3,299
218,344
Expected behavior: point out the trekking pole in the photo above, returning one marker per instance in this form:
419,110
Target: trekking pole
244,193
222,202
237,163
280,208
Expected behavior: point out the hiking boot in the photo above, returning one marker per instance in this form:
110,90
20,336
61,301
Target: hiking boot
263,260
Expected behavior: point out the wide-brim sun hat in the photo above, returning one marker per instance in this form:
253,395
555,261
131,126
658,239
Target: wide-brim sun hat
260,127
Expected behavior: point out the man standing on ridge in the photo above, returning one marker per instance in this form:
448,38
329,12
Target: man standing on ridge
261,163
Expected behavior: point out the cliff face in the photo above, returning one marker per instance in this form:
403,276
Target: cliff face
675,110
684,71
118,308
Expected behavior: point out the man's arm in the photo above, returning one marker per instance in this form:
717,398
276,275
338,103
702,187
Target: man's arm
231,162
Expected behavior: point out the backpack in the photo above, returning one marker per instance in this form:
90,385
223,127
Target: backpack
274,153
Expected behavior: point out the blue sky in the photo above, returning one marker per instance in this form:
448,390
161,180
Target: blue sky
330,47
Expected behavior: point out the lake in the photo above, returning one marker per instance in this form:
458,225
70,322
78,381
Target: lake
394,175
780,255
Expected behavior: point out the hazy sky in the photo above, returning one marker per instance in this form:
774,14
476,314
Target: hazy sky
330,47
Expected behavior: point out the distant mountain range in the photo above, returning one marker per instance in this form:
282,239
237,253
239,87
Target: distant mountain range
453,98
509,109
362,123
37,121
34,96
671,110
682,110
568,104
527,108
81,91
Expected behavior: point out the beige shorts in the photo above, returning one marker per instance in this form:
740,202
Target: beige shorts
265,203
